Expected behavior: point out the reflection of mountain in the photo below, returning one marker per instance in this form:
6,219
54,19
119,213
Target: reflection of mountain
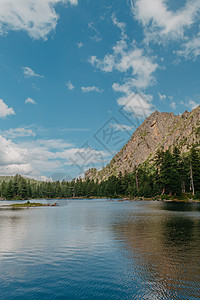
163,248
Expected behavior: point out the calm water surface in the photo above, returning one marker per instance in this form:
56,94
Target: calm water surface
96,249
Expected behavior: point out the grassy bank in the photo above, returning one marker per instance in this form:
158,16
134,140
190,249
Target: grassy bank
29,204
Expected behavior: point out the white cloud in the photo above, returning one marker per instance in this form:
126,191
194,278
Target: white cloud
193,104
120,25
5,110
122,127
80,45
96,37
11,153
12,169
34,158
173,105
38,18
88,89
70,86
124,88
82,156
138,105
162,97
29,158
128,58
54,143
162,23
44,158
18,132
30,101
28,72
46,179
139,70
191,49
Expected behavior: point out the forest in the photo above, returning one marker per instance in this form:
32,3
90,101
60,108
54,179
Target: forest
170,173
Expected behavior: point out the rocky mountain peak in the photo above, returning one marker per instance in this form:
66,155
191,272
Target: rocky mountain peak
158,130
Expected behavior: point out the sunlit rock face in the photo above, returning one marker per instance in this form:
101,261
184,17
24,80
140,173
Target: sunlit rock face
158,130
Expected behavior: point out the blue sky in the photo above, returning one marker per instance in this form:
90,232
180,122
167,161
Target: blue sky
77,77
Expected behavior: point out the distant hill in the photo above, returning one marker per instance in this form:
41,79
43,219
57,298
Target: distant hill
158,130
8,178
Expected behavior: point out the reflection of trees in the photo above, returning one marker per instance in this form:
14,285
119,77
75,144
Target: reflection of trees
180,207
163,248
178,232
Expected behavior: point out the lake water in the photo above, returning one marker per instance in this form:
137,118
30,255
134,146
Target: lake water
96,249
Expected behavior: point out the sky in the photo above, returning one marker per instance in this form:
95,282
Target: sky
77,77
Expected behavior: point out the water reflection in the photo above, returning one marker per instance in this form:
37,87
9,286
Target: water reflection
178,206
10,225
95,249
163,248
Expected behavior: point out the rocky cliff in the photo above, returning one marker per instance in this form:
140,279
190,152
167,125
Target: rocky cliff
158,130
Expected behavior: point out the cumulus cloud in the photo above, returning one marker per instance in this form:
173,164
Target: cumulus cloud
128,58
27,158
70,86
23,169
35,158
88,89
160,22
10,153
37,18
5,110
28,72
30,101
81,156
138,68
138,105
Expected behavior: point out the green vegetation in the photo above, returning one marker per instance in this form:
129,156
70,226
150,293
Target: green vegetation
197,131
27,204
171,176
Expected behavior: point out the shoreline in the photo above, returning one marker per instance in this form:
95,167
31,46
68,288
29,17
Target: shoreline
175,200
123,199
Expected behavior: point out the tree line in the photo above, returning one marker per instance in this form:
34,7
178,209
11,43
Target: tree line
170,173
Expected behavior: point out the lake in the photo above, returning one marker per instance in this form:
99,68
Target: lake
97,249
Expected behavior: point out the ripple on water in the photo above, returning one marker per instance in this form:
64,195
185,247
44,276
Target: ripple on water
94,249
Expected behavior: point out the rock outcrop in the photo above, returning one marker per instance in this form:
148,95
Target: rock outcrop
158,130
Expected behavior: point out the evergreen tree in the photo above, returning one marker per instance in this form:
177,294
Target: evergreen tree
195,168
9,193
23,188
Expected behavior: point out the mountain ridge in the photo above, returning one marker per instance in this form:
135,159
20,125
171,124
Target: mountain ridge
160,129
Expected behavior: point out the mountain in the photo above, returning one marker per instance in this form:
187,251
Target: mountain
158,130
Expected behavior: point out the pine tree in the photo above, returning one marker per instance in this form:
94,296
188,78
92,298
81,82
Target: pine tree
195,169
23,188
9,193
